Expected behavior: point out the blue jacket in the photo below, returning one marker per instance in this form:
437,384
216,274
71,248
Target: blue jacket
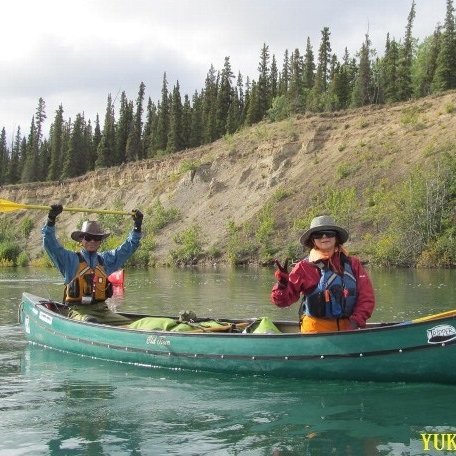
67,261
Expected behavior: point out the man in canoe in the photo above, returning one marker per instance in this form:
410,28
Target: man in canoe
86,272
337,294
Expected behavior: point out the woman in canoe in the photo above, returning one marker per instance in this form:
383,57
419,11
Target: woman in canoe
86,272
337,294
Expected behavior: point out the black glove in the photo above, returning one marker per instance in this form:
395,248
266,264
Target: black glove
56,209
137,218
281,273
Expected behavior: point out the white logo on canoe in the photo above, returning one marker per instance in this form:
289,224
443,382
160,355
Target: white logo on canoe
441,333
27,324
46,318
157,340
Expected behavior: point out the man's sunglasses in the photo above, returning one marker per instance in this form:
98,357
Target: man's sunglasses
92,237
320,234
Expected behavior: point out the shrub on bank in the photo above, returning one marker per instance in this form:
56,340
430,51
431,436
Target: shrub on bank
9,252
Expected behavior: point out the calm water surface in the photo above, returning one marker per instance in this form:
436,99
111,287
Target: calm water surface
57,404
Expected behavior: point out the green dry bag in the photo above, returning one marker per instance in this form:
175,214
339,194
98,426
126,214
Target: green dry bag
266,326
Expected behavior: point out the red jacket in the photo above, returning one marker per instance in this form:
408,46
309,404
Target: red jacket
304,277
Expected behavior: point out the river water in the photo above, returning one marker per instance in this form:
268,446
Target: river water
59,404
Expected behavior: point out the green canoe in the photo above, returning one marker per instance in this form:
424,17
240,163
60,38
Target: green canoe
422,350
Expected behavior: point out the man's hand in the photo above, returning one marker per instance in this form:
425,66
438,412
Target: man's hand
137,219
56,209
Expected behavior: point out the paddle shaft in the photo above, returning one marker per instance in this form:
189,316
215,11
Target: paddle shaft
449,313
8,206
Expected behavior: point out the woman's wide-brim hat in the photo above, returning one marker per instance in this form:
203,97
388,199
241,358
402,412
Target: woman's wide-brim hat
323,223
89,227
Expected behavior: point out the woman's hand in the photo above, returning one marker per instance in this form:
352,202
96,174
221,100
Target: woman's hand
281,273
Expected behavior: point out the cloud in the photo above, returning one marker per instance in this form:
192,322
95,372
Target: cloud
77,53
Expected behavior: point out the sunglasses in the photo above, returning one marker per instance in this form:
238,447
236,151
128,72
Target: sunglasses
92,237
320,234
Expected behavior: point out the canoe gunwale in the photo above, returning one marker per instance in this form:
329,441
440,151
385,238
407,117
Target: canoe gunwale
380,326
357,354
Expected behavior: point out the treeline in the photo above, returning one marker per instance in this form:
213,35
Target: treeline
304,82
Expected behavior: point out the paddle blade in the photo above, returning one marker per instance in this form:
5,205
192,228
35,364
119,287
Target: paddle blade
11,206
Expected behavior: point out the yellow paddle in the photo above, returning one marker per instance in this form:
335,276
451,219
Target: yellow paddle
11,206
449,313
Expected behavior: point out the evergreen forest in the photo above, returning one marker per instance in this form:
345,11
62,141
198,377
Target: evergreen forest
305,81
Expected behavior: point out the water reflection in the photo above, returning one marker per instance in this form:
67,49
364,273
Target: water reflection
411,293
98,407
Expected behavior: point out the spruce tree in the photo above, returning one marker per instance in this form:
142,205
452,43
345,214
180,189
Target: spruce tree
196,135
90,155
96,135
186,122
343,82
362,89
123,128
324,59
30,165
134,149
210,106
31,171
75,162
44,159
309,67
224,97
331,100
263,85
14,173
296,86
240,99
253,112
390,64
316,99
175,141
22,157
274,78
150,128
56,144
106,147
40,117
404,83
232,122
163,117
445,73
284,77
377,80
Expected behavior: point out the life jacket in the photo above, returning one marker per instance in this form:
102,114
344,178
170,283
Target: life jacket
89,285
334,296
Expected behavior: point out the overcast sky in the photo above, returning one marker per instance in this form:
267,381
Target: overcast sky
75,53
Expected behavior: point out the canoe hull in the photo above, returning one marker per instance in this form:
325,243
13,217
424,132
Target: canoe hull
420,352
